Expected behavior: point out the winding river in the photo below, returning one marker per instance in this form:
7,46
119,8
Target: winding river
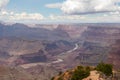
65,53
59,58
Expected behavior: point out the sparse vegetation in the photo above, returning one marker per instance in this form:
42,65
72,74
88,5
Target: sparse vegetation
105,68
60,72
52,78
80,73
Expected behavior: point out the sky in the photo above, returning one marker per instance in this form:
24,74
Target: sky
60,11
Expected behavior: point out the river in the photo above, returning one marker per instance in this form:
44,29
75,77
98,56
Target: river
59,60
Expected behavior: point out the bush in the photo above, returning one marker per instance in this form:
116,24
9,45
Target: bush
52,78
80,73
105,68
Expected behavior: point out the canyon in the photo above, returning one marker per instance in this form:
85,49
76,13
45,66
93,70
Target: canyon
48,49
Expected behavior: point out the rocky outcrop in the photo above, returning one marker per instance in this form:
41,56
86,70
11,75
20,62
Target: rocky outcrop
82,73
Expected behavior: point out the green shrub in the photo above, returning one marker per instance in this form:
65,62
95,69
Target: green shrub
52,78
80,73
105,68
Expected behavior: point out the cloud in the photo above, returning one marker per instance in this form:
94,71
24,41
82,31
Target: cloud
20,17
66,17
23,16
26,16
54,5
88,6
103,17
3,3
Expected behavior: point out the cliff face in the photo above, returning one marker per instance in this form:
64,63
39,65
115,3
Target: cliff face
98,43
17,46
101,34
114,56
36,33
74,31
